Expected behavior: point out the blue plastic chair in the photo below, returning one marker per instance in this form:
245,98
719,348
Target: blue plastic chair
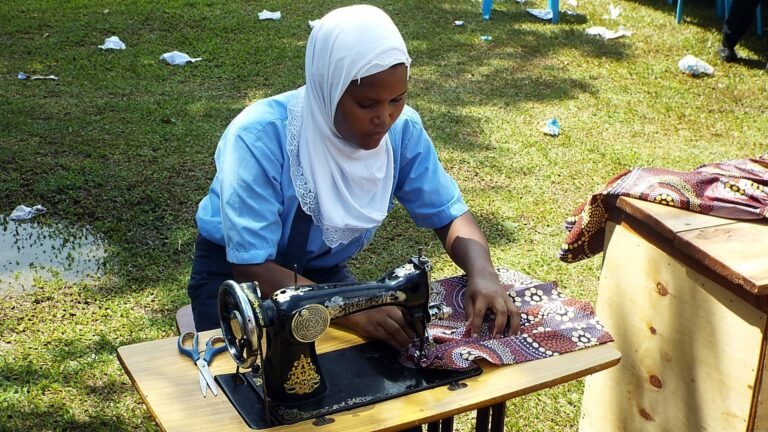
554,6
722,7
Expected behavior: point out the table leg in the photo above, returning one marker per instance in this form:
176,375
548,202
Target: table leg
481,420
493,415
446,425
498,412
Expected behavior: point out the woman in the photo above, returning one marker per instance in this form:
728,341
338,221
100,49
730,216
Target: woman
304,178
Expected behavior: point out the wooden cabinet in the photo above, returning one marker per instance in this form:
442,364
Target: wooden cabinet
685,296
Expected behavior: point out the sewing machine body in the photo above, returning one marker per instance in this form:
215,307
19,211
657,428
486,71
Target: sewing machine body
287,374
296,316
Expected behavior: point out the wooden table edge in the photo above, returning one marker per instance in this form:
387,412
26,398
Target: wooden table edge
697,258
631,206
612,358
136,385
608,355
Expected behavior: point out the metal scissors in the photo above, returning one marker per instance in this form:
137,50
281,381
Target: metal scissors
213,346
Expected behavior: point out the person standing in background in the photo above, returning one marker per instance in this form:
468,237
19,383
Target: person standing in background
740,15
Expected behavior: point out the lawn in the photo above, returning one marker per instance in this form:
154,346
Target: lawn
123,143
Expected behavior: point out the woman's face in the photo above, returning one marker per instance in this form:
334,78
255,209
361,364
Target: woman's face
367,110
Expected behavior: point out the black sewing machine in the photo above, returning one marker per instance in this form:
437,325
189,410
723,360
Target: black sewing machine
283,380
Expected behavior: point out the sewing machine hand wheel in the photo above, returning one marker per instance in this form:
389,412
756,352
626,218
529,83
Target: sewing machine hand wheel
241,328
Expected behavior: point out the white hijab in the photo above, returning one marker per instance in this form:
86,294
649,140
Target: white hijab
345,189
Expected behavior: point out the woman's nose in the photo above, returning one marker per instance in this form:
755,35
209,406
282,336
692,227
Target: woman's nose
382,118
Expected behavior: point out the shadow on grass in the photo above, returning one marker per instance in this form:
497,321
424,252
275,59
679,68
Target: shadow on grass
136,158
400,238
526,61
157,126
701,13
99,405
57,415
751,63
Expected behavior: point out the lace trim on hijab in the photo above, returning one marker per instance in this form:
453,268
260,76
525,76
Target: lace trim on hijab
332,235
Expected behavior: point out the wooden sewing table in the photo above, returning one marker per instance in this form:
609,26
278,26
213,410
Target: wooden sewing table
685,296
167,382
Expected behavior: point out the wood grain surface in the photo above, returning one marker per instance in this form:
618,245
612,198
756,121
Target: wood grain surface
735,249
167,382
692,350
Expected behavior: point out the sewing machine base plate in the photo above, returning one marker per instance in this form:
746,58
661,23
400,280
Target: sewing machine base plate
356,376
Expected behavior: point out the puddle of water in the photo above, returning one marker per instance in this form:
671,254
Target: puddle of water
29,249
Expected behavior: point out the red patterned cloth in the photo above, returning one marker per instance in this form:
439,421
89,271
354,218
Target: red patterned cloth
552,324
735,189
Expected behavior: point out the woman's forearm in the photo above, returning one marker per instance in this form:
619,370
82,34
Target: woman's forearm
269,275
467,246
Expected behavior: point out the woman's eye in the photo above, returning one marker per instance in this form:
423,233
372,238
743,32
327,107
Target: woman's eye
365,105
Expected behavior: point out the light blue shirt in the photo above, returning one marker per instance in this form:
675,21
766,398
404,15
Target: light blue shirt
251,202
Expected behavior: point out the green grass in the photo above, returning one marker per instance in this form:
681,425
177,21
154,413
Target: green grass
124,143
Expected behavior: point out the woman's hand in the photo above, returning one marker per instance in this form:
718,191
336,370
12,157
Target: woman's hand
384,323
468,248
483,293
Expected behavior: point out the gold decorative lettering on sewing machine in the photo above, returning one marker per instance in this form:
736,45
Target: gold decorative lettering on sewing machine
293,318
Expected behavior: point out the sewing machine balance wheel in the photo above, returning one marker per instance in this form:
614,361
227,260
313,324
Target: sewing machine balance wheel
241,328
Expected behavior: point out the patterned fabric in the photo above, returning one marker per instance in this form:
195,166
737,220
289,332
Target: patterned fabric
735,189
552,324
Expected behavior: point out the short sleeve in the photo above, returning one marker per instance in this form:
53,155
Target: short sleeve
249,168
431,196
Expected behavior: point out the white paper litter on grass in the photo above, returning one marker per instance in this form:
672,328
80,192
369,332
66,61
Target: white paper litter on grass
113,42
23,76
178,58
23,212
608,34
613,12
545,14
551,127
694,66
267,15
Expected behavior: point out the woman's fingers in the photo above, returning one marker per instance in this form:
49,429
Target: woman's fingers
514,316
387,324
394,325
507,314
